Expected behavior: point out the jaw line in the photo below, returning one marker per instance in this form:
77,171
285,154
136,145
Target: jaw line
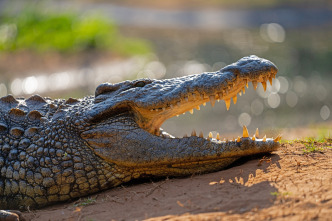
152,119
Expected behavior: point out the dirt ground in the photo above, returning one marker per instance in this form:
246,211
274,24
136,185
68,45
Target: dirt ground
290,184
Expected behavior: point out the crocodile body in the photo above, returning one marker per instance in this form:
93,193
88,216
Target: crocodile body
58,150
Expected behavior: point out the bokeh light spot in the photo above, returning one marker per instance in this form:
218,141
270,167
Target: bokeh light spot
273,32
325,112
284,85
244,119
16,86
30,85
257,107
273,100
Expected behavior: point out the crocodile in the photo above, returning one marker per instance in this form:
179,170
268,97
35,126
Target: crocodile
59,150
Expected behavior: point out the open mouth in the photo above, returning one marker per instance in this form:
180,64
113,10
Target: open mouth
154,117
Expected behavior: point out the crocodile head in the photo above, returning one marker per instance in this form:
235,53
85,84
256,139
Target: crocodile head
145,104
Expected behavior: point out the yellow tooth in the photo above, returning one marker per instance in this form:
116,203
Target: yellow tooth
240,93
224,140
238,139
204,104
191,111
228,103
257,133
212,100
245,131
254,84
193,133
235,99
264,138
264,85
210,135
244,90
270,79
246,83
253,138
218,136
201,134
177,115
198,108
277,139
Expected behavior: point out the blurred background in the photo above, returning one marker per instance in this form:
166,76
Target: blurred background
62,49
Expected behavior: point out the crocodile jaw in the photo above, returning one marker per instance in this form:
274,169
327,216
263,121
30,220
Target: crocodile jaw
151,119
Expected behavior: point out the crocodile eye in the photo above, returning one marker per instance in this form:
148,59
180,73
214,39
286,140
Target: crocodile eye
140,84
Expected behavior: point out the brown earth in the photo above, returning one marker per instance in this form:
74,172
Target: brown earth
290,184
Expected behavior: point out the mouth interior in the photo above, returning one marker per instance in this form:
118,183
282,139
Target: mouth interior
156,116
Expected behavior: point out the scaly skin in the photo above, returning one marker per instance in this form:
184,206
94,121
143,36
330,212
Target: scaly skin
57,150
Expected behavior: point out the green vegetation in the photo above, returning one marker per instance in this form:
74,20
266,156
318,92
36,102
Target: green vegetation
85,202
43,31
311,144
280,194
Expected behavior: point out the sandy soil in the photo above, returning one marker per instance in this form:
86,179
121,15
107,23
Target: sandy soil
287,185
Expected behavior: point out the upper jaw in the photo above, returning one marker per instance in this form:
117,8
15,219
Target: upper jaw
229,85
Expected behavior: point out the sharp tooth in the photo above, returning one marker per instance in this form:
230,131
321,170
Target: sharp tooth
253,138
264,85
240,93
270,79
171,106
235,99
238,139
264,138
210,135
177,115
244,90
178,103
218,136
191,111
201,134
245,131
254,83
186,99
257,133
246,82
193,133
212,100
228,103
277,139
204,104
198,108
